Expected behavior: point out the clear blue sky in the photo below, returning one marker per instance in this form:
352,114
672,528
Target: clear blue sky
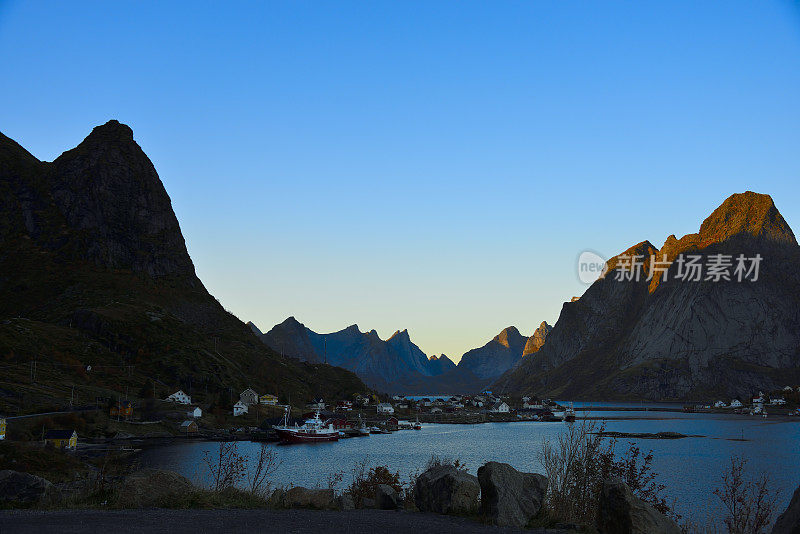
436,166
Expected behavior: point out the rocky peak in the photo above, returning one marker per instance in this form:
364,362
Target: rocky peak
401,336
748,213
538,338
509,336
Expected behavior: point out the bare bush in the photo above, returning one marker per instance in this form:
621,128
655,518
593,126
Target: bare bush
259,478
227,467
578,462
750,503
366,480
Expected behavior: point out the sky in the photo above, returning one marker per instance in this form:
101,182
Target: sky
430,166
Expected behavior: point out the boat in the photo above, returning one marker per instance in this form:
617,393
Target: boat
417,425
374,430
312,431
363,429
569,414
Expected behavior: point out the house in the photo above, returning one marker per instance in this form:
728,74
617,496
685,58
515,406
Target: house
195,413
61,439
123,408
344,406
337,422
736,403
268,399
436,409
720,404
248,397
240,408
392,423
2,428
316,404
788,389
777,401
385,407
426,402
500,407
180,397
759,399
189,427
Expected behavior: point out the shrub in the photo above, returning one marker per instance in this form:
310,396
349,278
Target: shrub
749,503
365,481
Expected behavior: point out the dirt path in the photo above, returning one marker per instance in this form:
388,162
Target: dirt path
202,521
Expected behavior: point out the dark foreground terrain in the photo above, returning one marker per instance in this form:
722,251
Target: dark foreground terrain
196,521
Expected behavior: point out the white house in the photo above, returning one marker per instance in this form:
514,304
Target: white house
777,401
788,389
500,407
720,404
195,413
735,403
385,407
248,397
318,404
436,409
180,397
239,408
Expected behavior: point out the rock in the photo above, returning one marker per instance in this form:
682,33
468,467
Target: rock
277,498
446,490
345,502
386,498
367,503
536,341
623,513
150,488
300,497
24,489
510,497
789,521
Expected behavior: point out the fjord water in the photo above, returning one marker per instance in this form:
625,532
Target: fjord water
690,468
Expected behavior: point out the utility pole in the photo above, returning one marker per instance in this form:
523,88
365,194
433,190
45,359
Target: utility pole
72,395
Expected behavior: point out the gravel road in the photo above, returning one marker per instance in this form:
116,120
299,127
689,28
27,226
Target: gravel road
279,521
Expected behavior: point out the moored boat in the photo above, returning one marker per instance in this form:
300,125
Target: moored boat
569,414
312,431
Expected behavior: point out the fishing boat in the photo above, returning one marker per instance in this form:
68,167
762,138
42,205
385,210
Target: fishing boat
363,429
312,431
417,425
569,414
374,430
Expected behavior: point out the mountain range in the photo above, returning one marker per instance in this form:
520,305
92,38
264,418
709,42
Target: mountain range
681,339
98,292
397,365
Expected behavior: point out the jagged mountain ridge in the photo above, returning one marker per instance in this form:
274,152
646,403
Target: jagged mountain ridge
397,364
681,340
94,272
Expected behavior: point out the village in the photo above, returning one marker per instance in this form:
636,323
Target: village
256,416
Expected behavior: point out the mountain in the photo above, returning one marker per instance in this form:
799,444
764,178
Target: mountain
679,339
97,287
497,356
388,365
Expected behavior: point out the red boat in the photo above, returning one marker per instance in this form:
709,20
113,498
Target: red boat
313,430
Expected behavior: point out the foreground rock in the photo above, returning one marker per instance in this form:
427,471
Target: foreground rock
300,497
151,488
789,521
623,513
509,497
446,490
24,489
386,498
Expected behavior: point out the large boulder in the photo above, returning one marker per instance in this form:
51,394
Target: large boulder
623,513
24,489
446,490
789,521
151,488
300,497
510,497
386,498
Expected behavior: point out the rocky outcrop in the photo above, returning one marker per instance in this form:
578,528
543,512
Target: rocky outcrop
23,489
789,521
300,497
446,490
675,339
154,488
620,512
440,364
509,497
536,341
386,498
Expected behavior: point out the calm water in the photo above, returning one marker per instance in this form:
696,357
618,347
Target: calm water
689,467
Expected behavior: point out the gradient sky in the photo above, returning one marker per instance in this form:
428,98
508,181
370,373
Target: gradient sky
436,166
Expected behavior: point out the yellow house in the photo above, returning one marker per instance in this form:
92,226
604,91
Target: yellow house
2,428
61,439
268,399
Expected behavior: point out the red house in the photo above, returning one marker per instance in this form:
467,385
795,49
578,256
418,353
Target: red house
337,422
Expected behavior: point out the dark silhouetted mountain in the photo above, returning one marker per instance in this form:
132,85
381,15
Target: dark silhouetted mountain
94,272
676,339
